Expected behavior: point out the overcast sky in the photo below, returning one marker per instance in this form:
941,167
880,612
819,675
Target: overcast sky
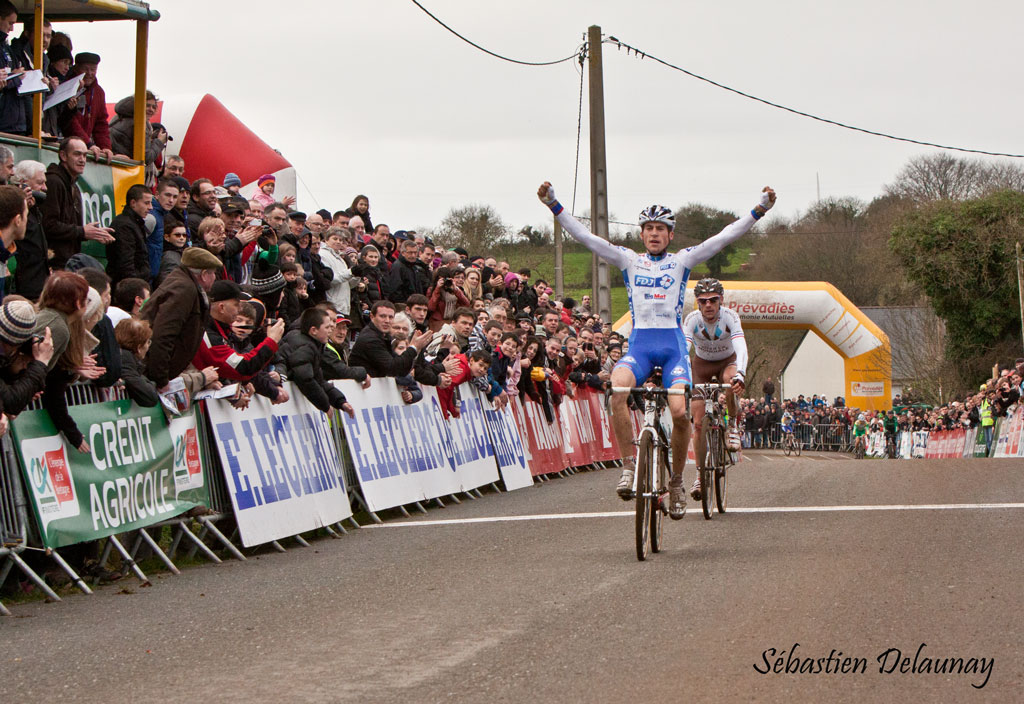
375,97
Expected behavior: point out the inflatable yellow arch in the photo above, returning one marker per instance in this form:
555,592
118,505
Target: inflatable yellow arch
817,306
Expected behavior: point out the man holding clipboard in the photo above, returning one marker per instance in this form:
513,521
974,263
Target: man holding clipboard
13,117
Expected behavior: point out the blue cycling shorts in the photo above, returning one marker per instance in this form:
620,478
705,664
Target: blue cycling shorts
658,347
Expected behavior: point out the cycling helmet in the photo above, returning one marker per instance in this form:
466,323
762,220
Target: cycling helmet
861,417
658,213
708,285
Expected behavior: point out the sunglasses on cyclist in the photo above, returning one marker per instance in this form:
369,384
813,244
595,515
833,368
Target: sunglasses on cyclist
708,301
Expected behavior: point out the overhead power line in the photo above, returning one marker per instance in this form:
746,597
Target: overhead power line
488,51
646,55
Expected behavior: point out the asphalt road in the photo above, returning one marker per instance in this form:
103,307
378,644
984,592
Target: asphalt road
559,609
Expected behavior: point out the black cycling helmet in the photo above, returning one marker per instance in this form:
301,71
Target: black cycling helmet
708,285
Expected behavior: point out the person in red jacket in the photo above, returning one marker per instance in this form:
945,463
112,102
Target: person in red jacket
473,367
89,121
218,346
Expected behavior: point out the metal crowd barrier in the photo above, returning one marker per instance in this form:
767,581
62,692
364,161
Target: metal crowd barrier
824,437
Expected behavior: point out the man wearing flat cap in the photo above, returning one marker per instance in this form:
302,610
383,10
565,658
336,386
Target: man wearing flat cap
176,311
89,122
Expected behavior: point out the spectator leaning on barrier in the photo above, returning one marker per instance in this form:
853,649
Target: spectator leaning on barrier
24,356
32,269
424,372
62,209
62,309
220,349
128,254
107,351
475,366
177,311
336,353
456,332
133,339
89,122
300,357
372,350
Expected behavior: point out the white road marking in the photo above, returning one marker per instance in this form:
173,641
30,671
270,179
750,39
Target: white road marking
761,509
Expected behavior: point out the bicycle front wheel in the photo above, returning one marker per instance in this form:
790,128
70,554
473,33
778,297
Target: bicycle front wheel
645,458
657,508
797,446
787,446
720,468
711,437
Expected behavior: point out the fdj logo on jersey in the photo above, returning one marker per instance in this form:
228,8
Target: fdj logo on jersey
664,282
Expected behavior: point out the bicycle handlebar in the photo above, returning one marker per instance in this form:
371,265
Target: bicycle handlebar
645,390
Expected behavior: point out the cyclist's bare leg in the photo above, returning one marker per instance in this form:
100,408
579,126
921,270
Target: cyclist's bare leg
697,413
622,423
730,400
680,430
680,444
730,397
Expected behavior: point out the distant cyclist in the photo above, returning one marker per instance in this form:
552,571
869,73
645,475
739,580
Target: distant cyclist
656,285
720,352
860,432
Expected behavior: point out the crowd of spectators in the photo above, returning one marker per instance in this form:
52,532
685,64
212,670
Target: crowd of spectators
828,423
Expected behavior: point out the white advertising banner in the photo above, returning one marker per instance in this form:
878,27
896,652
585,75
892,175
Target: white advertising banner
280,465
408,452
511,453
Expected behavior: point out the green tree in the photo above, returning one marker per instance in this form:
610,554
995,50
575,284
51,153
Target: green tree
477,228
696,222
961,254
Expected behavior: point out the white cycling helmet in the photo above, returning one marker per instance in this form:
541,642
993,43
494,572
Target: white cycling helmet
861,417
658,213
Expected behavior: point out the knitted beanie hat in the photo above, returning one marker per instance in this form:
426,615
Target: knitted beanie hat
231,179
266,278
17,319
265,179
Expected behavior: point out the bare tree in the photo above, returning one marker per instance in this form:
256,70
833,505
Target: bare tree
477,228
941,176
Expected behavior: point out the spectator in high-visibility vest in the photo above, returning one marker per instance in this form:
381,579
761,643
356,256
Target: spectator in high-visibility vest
987,419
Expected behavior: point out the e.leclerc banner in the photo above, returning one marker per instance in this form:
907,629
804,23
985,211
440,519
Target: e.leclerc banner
511,452
280,465
139,471
408,452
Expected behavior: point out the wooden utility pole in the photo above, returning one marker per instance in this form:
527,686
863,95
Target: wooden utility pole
1020,290
559,272
598,174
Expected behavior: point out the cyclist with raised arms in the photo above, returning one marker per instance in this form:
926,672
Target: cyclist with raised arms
715,334
656,285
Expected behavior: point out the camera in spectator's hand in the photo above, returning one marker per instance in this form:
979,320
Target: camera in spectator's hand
27,345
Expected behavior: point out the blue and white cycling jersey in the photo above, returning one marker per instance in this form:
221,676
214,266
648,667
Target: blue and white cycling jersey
656,286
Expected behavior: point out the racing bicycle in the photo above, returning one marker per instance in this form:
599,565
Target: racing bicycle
653,470
716,457
790,445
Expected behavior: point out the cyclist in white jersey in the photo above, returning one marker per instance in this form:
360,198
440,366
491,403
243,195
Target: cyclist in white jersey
656,284
715,334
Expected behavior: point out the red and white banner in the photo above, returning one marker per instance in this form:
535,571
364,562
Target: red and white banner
1010,442
945,444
